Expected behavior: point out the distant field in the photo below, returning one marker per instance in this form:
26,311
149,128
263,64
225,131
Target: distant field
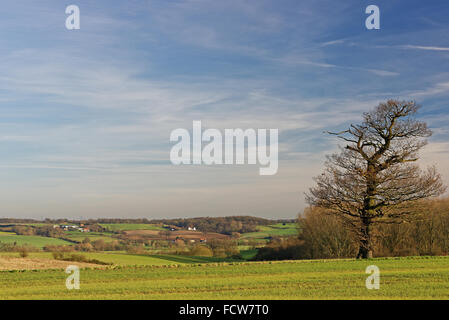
80,236
275,230
401,278
131,226
37,241
172,235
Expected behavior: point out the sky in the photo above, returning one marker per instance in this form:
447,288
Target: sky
86,115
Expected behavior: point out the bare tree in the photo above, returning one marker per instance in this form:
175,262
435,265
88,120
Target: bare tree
374,178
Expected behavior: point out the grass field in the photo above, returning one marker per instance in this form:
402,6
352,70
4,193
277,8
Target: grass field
37,241
93,236
275,230
248,253
400,278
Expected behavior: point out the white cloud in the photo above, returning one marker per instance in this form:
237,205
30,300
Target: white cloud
436,89
333,42
429,48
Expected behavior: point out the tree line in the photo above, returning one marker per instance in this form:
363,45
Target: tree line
324,236
224,225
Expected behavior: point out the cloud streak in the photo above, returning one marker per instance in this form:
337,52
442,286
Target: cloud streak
428,48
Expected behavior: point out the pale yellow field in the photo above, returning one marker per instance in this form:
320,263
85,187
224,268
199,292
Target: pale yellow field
13,263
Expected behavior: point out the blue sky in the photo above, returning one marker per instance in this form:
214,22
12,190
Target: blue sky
86,114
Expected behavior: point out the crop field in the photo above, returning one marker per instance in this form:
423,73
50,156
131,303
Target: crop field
400,278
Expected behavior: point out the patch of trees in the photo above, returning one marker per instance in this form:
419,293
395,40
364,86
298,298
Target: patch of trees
5,222
326,236
290,248
224,248
98,245
201,251
64,256
14,247
23,230
44,231
214,248
88,246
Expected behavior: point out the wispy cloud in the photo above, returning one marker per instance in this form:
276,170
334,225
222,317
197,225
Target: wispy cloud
436,89
333,42
429,48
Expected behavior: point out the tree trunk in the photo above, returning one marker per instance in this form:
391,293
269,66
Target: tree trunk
365,249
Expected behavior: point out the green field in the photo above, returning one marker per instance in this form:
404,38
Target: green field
248,254
130,226
37,241
274,230
401,278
